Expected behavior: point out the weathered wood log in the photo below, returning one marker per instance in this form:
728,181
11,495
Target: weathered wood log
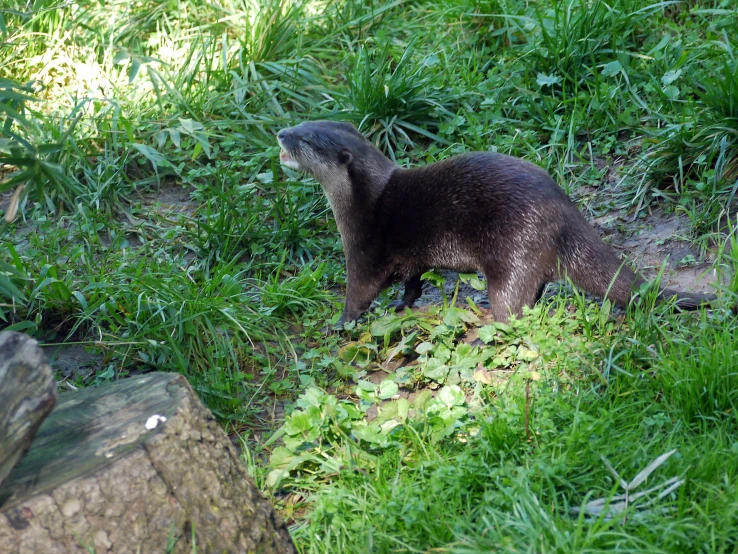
27,396
97,476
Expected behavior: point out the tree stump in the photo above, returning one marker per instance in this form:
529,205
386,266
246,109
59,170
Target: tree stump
27,396
98,475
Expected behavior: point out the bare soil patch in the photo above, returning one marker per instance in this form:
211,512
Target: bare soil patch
657,239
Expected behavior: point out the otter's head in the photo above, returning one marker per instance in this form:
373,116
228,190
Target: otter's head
319,145
336,154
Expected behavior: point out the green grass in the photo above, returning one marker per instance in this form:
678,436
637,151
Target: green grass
149,219
394,98
481,477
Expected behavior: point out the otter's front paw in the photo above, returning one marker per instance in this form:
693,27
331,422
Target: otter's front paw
348,316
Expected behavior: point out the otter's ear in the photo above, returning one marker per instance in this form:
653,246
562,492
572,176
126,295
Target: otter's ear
345,157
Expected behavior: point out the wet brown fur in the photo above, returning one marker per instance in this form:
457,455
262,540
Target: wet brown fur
480,211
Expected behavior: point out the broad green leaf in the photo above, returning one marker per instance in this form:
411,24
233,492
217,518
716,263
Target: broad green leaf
544,80
151,154
611,69
435,369
311,397
355,352
424,348
387,389
672,92
280,457
366,385
451,395
297,423
370,433
190,126
527,354
367,391
487,333
436,278
670,76
385,325
175,136
474,281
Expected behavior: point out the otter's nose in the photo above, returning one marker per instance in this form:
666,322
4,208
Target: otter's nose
282,134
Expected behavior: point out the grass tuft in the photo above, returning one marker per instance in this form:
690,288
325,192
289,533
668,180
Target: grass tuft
394,98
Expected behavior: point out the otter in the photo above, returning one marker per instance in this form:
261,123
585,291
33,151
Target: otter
479,211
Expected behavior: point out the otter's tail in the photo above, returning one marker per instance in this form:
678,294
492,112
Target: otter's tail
686,301
593,266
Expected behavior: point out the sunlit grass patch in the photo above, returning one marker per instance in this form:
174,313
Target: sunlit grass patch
515,471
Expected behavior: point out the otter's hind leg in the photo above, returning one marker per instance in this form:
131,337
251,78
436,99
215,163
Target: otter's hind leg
508,295
413,291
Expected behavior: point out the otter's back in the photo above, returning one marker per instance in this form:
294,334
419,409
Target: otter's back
470,195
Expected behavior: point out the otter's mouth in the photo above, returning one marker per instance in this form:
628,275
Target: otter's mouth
286,158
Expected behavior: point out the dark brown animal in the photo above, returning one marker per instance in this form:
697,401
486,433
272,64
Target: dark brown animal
480,211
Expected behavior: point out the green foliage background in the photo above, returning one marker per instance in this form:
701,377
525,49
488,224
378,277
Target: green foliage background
156,227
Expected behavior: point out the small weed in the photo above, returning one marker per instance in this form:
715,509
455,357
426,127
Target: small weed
294,294
271,29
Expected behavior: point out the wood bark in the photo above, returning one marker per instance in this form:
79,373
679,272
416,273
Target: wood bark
97,478
27,396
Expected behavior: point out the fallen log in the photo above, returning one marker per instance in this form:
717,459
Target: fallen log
135,466
27,396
